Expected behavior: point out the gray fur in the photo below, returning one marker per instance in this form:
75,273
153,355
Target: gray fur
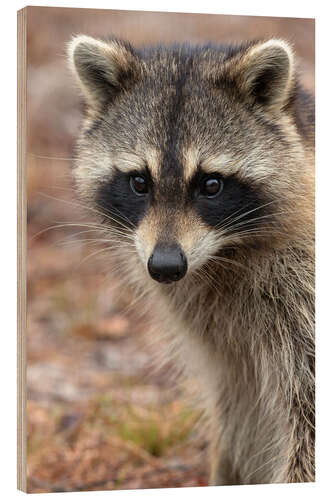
242,320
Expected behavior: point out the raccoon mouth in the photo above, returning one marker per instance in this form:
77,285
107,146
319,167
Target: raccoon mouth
167,264
164,281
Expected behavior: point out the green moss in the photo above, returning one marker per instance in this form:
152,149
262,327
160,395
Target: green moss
155,432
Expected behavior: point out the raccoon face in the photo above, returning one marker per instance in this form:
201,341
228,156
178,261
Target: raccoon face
188,151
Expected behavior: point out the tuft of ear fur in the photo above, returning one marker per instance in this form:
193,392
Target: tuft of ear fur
103,69
265,73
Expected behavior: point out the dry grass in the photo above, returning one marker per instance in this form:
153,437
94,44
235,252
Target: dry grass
104,444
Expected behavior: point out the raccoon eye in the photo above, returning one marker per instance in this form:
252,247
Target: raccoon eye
211,186
138,184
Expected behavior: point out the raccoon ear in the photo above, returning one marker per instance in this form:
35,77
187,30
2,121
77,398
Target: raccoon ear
103,69
265,73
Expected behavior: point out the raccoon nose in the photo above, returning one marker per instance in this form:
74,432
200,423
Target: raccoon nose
167,263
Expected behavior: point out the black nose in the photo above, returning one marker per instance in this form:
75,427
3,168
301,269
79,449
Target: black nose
167,263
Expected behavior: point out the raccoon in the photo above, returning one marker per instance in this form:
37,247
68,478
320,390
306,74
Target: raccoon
199,160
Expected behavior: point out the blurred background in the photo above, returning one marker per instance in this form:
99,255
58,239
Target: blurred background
100,414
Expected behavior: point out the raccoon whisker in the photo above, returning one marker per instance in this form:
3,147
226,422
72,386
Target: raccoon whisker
116,237
97,228
212,282
243,231
254,231
99,242
239,232
61,225
121,243
251,227
138,298
106,214
124,223
243,237
204,275
116,217
218,258
99,231
63,188
51,157
111,263
108,236
112,212
131,282
71,243
119,250
121,234
244,214
247,223
72,237
104,240
254,219
233,214
272,222
93,255
123,263
80,205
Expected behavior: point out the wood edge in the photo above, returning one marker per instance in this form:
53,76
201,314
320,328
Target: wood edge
21,249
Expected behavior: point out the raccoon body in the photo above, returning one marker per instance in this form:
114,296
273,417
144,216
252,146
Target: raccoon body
200,162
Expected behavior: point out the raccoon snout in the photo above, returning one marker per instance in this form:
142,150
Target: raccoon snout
167,263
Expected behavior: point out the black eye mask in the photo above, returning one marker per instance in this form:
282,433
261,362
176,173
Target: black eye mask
118,200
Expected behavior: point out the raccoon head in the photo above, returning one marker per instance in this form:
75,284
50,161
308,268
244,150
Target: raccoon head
188,151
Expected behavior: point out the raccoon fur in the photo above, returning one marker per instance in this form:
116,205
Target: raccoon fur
199,160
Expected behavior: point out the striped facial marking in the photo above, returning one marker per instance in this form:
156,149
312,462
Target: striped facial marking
189,213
